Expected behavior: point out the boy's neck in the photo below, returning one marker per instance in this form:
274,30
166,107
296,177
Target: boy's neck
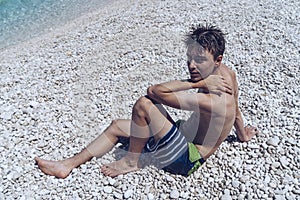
216,71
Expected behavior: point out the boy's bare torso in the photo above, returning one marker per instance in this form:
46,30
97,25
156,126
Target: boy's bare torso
207,129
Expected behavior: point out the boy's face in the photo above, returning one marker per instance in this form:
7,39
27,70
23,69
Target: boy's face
200,62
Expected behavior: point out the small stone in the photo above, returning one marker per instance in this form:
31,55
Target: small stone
170,179
235,183
118,195
7,115
253,146
163,196
34,104
272,184
296,192
9,176
283,161
279,197
273,141
254,112
226,192
69,53
241,197
267,179
297,175
275,165
226,197
13,175
105,182
128,193
242,188
174,194
150,196
112,181
291,141
184,195
107,189
197,175
264,145
244,179
210,180
147,189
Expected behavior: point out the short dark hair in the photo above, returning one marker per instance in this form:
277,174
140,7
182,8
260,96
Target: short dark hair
209,37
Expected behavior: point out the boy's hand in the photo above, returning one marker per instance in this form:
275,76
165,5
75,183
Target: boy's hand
217,84
249,133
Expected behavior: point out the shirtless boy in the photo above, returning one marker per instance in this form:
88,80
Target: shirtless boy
179,148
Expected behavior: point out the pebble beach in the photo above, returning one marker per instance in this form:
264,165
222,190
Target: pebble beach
59,90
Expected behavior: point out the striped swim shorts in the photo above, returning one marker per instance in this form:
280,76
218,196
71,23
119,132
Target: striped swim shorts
174,154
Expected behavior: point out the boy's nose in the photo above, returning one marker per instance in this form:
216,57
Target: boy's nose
191,65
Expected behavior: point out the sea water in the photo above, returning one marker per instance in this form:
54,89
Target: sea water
21,20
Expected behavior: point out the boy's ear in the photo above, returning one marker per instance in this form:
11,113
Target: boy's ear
218,60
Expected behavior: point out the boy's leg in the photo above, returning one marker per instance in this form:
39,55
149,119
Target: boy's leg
146,117
101,145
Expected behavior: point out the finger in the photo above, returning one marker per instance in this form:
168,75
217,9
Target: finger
225,84
229,91
223,79
226,89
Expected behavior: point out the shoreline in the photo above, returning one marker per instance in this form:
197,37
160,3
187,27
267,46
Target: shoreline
50,32
46,19
60,90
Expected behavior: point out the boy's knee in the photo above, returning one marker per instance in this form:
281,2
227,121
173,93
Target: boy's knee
142,105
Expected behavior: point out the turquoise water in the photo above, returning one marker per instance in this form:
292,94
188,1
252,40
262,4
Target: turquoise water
24,19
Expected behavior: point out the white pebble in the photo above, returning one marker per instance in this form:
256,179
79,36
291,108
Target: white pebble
226,197
174,194
107,189
150,196
273,141
275,165
283,161
112,181
235,183
170,179
118,195
253,146
128,193
34,104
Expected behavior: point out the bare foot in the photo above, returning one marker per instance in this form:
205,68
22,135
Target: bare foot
122,166
250,132
53,168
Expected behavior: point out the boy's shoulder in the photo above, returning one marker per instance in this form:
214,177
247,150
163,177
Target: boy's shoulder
228,71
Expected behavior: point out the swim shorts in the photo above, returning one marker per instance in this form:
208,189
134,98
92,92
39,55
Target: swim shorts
173,153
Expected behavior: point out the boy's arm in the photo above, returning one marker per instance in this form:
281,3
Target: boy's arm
173,93
244,133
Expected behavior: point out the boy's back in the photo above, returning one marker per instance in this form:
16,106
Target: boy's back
207,129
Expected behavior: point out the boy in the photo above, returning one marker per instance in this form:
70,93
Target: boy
179,148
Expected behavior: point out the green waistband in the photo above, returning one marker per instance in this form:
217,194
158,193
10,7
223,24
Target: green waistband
194,154
194,157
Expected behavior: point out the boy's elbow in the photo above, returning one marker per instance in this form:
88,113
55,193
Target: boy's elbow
150,91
